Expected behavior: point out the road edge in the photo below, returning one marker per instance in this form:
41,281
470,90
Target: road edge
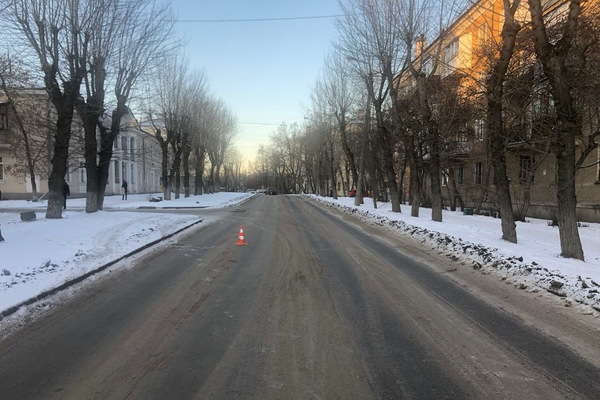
68,284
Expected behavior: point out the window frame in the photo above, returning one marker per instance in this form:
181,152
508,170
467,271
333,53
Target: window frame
478,176
3,117
460,175
82,175
479,129
526,163
452,49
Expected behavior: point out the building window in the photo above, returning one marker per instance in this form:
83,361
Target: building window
452,50
460,175
132,170
478,173
427,66
132,148
116,171
68,175
445,177
124,170
479,128
1,170
116,144
525,167
484,33
81,172
124,144
3,117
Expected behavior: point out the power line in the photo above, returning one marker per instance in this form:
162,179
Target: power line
257,19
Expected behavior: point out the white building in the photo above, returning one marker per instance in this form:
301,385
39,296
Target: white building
136,159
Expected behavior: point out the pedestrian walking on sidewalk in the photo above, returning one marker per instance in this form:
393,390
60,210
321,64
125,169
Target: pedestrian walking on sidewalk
124,190
66,193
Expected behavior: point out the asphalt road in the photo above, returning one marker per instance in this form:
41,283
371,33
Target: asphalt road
316,306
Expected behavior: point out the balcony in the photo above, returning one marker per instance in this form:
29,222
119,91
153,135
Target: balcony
459,149
531,135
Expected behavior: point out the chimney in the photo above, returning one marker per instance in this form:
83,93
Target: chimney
420,44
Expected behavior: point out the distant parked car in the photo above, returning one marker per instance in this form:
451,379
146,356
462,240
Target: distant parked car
271,191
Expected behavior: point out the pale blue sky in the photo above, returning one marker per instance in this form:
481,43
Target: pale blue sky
263,70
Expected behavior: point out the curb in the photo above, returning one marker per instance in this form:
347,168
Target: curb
74,281
170,208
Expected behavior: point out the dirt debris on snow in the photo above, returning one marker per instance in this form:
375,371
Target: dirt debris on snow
526,276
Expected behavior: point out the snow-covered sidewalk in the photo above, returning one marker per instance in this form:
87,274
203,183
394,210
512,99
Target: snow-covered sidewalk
475,241
41,255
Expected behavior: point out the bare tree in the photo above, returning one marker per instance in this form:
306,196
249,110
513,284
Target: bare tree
495,97
56,31
166,111
370,40
205,121
123,49
194,100
220,137
337,92
554,57
419,20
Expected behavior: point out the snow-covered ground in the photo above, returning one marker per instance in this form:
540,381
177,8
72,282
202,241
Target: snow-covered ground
474,241
41,255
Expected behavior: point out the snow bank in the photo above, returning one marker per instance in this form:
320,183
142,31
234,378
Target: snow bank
532,264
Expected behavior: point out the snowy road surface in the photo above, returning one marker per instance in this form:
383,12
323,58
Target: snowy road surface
315,306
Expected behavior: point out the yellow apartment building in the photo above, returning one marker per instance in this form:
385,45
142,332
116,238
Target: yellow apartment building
468,180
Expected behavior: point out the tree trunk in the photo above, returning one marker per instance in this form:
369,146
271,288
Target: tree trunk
89,112
495,94
211,178
90,156
570,242
165,171
107,139
554,60
199,169
358,200
332,171
387,148
59,159
415,180
432,137
186,173
436,182
175,170
349,155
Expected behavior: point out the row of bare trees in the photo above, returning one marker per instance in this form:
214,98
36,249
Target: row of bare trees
386,117
97,58
86,51
193,127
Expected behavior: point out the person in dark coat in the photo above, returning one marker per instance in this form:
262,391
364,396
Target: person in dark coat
124,190
66,193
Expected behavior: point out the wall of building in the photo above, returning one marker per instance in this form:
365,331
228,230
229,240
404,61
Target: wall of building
136,158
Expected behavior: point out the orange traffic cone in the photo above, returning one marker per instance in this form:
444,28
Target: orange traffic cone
241,240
